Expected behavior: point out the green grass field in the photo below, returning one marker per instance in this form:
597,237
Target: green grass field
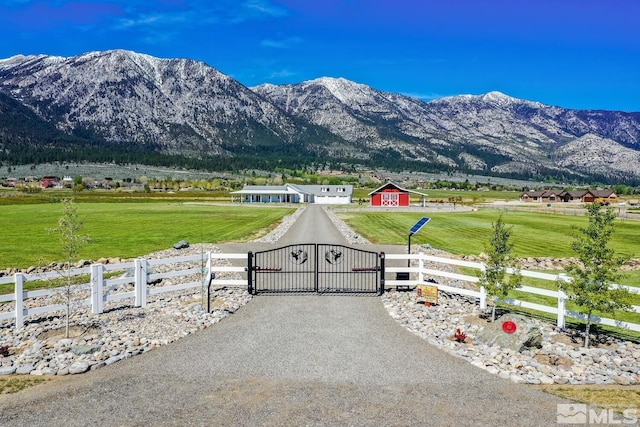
12,197
533,235
465,233
126,229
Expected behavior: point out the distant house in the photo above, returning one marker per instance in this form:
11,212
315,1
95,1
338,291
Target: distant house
393,195
290,193
553,196
531,196
578,196
49,181
604,196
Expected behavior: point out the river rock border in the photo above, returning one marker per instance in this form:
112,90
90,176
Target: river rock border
560,358
122,331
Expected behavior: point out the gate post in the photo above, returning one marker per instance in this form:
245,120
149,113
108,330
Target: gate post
316,286
250,273
382,263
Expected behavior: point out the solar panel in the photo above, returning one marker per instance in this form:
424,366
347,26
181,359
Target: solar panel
418,225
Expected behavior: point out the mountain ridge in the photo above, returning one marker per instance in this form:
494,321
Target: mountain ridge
183,107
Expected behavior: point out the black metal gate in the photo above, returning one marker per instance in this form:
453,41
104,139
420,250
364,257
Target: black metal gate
315,267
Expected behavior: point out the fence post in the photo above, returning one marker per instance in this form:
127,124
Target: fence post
18,287
140,282
562,298
420,268
483,291
97,286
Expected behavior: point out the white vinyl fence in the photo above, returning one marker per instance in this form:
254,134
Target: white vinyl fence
205,270
196,271
559,309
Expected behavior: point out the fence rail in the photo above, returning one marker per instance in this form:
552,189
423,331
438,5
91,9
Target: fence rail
100,290
139,276
559,309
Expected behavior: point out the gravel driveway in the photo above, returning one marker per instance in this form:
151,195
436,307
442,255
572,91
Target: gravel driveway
288,360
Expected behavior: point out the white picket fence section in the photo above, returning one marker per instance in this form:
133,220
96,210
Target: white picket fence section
559,310
139,273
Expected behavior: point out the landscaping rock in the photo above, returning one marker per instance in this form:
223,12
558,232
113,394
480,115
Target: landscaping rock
25,369
182,244
512,331
7,370
84,349
79,367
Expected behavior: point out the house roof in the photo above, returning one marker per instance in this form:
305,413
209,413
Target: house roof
537,193
317,190
266,189
574,193
603,193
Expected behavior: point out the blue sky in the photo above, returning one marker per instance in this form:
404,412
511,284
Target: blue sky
581,54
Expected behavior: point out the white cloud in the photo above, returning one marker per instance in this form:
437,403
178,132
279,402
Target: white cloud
281,44
264,8
424,96
201,13
281,74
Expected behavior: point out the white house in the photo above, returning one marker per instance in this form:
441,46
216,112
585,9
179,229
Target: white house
289,193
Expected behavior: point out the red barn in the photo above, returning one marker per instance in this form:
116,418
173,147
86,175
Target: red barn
392,195
49,181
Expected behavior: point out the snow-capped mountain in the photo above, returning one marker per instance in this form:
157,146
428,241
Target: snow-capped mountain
181,106
492,132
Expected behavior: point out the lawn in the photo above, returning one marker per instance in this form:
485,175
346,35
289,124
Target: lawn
126,230
12,197
465,233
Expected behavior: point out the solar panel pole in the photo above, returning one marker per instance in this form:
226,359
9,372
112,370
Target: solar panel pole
417,227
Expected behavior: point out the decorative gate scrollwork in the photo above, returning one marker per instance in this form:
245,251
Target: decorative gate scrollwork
320,268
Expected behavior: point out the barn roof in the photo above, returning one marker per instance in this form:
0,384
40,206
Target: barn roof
396,186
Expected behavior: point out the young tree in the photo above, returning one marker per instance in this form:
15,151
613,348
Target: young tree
494,277
78,184
71,240
597,268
